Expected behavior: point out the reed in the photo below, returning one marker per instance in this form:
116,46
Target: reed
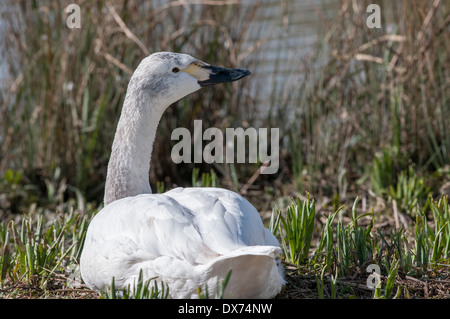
360,91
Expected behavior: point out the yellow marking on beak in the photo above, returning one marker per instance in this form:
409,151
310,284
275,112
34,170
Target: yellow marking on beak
195,69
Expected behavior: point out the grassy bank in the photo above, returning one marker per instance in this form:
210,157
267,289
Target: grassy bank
327,249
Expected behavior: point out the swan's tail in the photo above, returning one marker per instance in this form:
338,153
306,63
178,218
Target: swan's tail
256,272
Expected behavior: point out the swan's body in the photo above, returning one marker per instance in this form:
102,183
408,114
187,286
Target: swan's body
189,237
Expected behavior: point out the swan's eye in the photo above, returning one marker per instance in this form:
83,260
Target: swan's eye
175,70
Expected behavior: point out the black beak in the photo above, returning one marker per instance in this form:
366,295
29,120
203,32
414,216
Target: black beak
222,75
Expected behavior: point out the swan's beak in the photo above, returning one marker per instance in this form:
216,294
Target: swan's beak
209,74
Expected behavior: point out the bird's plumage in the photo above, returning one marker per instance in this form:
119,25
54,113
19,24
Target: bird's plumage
187,237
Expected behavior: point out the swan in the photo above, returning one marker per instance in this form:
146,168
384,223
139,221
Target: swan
187,237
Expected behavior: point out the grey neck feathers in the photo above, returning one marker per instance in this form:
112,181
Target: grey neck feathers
129,164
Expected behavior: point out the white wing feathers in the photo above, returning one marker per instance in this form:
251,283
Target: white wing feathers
186,237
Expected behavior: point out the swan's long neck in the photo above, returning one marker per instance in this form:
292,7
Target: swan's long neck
129,164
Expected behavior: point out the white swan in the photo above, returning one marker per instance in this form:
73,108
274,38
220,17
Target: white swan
187,237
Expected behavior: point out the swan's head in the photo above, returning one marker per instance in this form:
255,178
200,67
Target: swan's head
170,76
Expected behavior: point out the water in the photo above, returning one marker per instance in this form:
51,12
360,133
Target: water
3,69
291,29
288,28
